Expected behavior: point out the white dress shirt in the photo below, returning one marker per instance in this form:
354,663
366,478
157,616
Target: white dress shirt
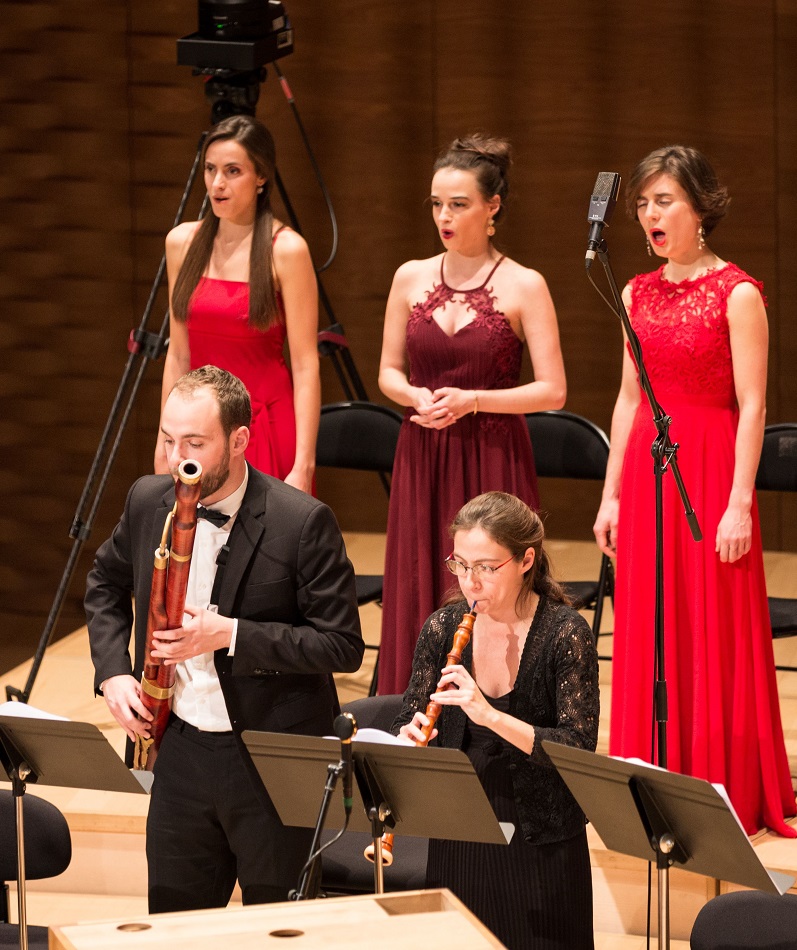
198,698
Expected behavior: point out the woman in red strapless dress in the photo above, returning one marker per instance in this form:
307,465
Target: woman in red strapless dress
703,329
240,285
455,327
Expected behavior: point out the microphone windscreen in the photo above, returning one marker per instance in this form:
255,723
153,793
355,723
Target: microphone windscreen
605,184
345,726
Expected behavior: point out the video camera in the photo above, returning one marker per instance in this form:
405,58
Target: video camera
234,41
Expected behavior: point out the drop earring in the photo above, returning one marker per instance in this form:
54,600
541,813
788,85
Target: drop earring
647,244
260,189
490,228
701,238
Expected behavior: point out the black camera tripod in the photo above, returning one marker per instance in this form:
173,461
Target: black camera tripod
230,91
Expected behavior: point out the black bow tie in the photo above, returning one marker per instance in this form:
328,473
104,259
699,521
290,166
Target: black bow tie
217,518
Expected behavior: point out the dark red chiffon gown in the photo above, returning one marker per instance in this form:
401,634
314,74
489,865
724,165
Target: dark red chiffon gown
437,471
219,334
724,716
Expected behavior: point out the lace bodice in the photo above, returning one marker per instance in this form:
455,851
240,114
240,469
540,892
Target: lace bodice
556,690
683,329
484,354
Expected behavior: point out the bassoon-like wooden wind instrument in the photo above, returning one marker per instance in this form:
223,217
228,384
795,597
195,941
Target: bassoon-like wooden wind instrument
461,639
167,606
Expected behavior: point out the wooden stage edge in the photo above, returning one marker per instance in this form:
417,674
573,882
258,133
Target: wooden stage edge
107,878
432,917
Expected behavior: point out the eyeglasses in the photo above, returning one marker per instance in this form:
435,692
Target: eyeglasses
481,571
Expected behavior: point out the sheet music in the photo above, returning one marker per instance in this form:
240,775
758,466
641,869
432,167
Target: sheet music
26,711
368,734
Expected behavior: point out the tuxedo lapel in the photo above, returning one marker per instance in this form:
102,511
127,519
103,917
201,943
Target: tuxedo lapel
244,540
161,514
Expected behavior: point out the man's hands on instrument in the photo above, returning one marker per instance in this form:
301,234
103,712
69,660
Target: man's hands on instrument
123,695
204,632
457,687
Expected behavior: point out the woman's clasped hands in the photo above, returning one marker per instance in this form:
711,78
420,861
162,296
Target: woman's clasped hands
443,407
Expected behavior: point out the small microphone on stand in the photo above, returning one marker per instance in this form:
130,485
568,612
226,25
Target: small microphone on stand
345,727
601,207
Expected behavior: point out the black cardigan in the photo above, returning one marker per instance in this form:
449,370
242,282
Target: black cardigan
556,690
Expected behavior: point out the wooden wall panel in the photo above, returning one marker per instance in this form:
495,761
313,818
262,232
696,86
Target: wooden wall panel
65,283
100,127
781,526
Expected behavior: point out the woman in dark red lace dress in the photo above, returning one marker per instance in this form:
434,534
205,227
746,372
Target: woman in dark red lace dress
529,673
454,332
240,284
703,329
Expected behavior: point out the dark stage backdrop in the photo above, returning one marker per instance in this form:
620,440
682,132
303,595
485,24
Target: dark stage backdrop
100,126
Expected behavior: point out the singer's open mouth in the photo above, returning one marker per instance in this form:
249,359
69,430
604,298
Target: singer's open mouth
657,237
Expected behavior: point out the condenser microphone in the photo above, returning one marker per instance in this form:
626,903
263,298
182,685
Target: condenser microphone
601,207
345,727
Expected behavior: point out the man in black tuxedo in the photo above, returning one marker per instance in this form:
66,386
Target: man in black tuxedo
257,649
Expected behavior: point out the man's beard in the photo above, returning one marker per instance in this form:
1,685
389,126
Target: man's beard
213,479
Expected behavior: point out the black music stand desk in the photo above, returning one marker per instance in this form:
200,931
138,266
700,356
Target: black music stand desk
54,751
652,814
421,792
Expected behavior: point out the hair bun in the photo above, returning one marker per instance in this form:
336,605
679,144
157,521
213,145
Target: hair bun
498,151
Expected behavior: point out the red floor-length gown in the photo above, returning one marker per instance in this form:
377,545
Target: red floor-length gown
219,334
437,471
724,716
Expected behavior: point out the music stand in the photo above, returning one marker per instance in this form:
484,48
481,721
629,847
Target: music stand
418,792
637,809
56,752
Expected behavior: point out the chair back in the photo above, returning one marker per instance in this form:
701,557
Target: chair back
48,843
358,435
567,446
777,468
746,920
375,712
345,870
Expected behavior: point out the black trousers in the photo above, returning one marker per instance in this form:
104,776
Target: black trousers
210,824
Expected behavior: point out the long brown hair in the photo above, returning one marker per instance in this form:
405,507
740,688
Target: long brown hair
259,145
511,523
693,172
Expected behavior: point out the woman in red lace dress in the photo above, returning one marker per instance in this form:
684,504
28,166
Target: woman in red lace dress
703,329
240,283
455,328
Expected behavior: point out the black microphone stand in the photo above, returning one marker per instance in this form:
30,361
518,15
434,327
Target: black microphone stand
308,881
664,453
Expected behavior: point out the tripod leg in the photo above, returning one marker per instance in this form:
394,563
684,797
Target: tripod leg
356,384
143,348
